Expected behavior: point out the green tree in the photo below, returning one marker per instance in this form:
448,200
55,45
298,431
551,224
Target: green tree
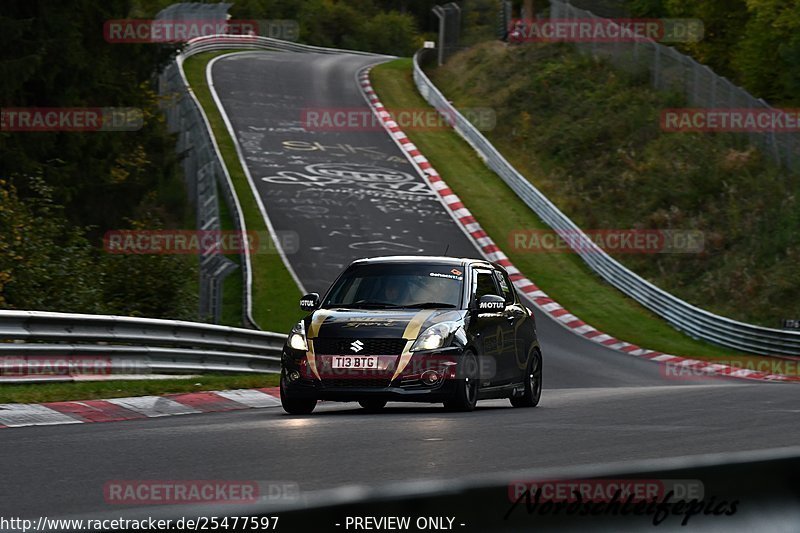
725,22
392,33
755,43
45,264
768,57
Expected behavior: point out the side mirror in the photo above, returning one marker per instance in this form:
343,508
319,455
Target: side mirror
309,302
490,303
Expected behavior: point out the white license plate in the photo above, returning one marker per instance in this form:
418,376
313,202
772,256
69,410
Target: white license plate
350,361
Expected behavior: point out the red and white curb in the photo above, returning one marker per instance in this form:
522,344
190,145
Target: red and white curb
492,252
135,408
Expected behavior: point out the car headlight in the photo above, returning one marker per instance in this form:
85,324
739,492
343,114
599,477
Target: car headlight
435,336
297,338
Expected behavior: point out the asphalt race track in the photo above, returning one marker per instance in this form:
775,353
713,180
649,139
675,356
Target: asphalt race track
350,194
346,194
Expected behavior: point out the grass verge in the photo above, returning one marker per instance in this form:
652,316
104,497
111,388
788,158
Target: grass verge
233,286
564,277
91,390
275,294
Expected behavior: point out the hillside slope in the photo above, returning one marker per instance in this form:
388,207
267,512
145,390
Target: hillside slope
589,137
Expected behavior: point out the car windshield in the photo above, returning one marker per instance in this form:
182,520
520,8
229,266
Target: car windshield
383,286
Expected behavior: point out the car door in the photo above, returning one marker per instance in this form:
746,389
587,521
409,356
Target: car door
492,330
511,366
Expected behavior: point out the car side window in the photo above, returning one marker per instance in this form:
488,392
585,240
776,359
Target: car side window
485,284
505,286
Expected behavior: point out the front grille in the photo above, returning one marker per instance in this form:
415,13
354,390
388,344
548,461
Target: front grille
360,383
327,346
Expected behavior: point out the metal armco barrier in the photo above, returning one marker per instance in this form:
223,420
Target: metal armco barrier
692,320
127,345
256,42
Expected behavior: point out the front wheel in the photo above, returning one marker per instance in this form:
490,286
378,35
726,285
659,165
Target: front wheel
466,395
533,383
297,406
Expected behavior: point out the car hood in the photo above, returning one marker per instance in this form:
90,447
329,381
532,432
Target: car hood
401,323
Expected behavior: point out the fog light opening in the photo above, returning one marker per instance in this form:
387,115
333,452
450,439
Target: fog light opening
430,377
294,375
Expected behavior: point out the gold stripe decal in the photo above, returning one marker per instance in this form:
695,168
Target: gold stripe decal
404,359
312,361
313,331
410,334
415,324
316,323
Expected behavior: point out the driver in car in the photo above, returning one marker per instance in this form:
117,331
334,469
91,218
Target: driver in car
392,293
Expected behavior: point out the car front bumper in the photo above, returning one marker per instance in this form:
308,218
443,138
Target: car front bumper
407,387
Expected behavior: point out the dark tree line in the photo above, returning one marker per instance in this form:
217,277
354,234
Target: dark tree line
755,43
61,191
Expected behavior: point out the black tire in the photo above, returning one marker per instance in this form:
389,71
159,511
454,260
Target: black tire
533,383
466,395
297,406
372,405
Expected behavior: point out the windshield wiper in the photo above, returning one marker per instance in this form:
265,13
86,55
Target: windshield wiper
384,305
365,305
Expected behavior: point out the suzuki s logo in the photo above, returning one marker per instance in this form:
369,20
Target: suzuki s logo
356,346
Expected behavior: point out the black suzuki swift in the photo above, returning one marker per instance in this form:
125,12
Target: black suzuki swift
418,329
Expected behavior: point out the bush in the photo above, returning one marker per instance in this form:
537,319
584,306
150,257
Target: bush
46,264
